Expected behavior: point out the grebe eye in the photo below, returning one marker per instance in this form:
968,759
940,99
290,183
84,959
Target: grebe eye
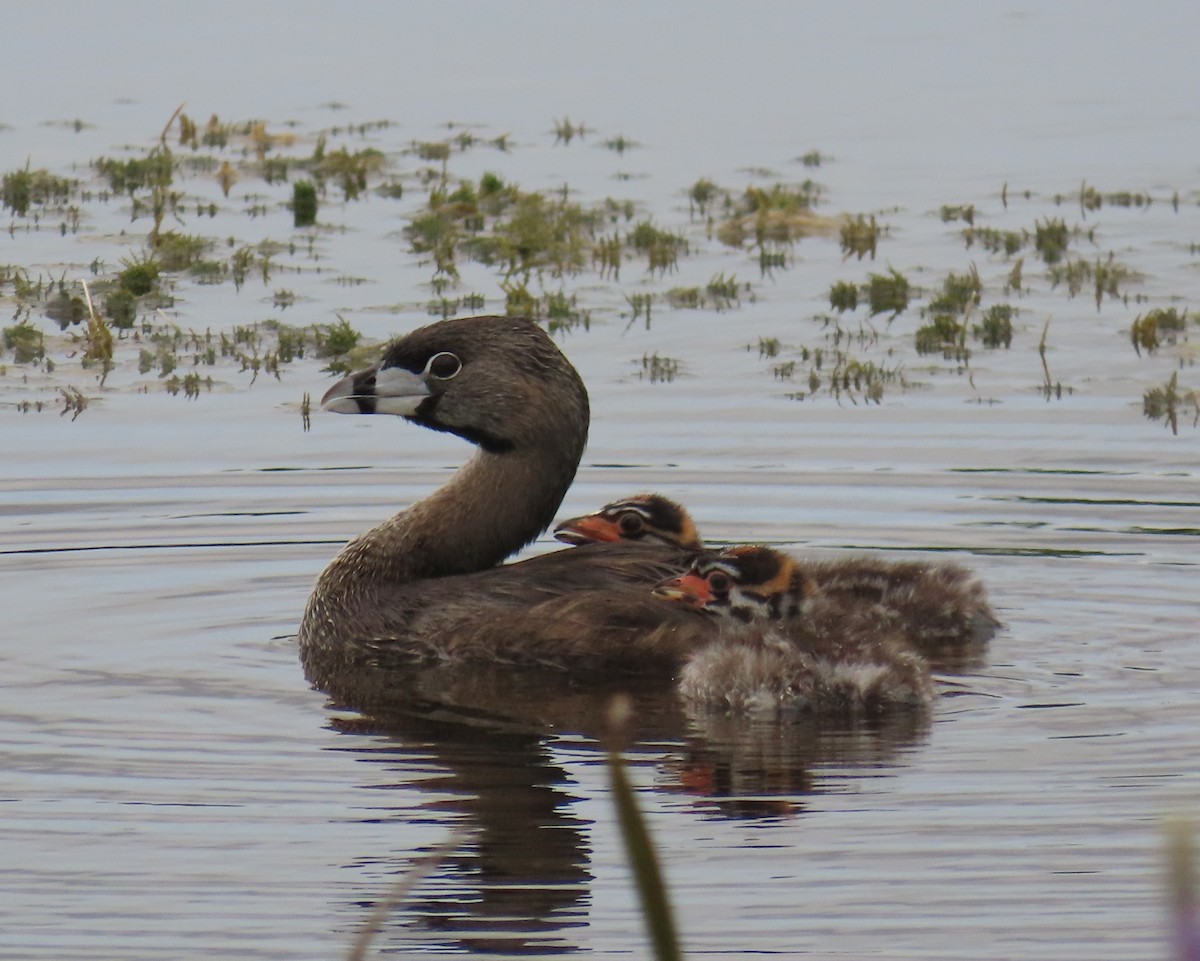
443,365
718,582
630,524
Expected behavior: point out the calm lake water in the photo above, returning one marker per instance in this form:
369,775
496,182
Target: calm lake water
172,787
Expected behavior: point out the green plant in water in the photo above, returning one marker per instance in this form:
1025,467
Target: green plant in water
860,237
640,305
606,252
518,301
778,216
653,896
843,296
659,369
27,343
1110,276
994,241
562,313
1050,240
336,340
304,203
887,292
66,310
176,251
724,292
701,196
23,188
74,402
768,347
620,144
1164,403
139,277
995,329
565,131
1012,285
97,339
1146,328
959,293
685,298
120,306
963,212
944,334
351,170
432,151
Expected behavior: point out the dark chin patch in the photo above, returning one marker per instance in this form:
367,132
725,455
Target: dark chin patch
489,442
426,416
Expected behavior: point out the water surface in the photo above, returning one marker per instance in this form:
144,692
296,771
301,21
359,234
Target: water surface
173,787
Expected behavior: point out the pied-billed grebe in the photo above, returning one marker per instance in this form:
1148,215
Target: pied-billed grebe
786,644
642,517
940,607
424,584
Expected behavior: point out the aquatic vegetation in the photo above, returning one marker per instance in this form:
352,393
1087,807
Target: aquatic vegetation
963,212
780,215
557,254
1050,240
959,293
701,196
1166,402
653,896
658,369
944,333
620,144
995,329
640,306
1007,242
1012,285
334,340
685,298
74,402
860,237
65,309
661,248
431,151
1105,276
1091,199
350,170
768,347
606,254
304,203
1148,330
843,296
27,343
22,189
139,277
565,131
176,251
887,293
1049,388
847,378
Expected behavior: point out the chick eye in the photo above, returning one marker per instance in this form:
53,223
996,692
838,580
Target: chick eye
718,582
443,365
630,524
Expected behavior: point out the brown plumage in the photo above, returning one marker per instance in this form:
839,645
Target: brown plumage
940,608
423,585
787,644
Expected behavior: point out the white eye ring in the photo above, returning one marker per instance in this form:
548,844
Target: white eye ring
443,365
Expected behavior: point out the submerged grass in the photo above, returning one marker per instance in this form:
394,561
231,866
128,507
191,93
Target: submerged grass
548,254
